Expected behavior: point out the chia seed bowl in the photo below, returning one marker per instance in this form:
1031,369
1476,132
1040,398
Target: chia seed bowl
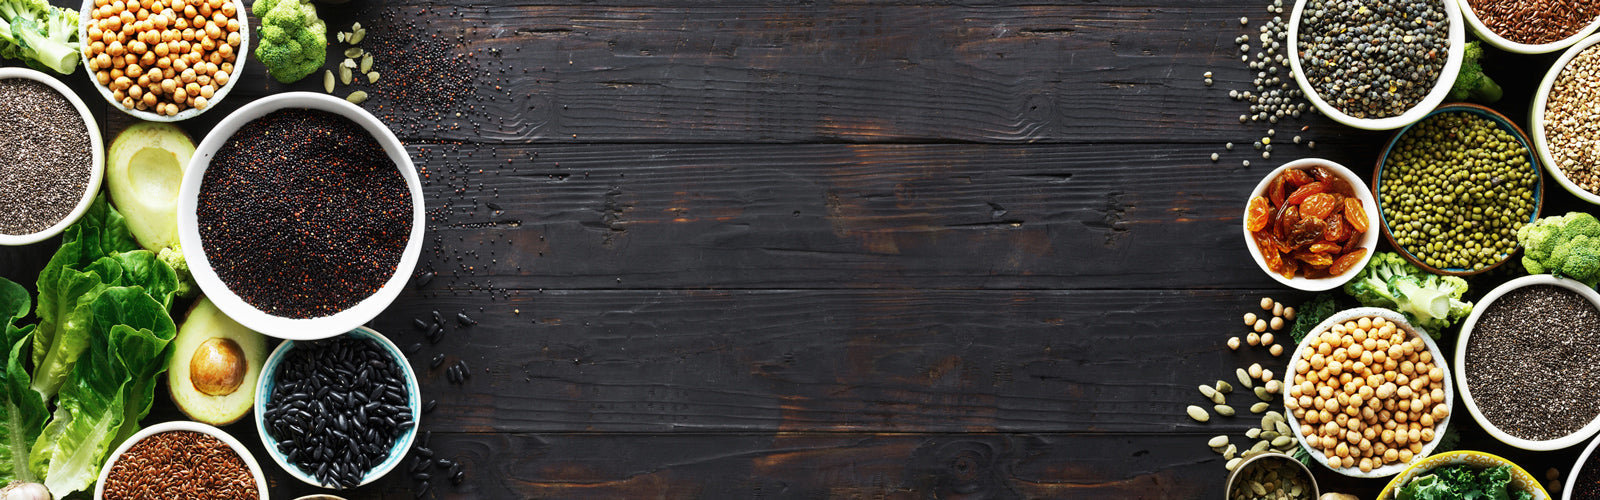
1455,37
97,159
1537,123
1400,322
1462,360
235,305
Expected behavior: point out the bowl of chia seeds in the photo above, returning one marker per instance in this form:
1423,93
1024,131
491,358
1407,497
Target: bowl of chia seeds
1454,188
52,153
301,216
1531,26
1563,122
339,412
1376,64
200,460
1524,362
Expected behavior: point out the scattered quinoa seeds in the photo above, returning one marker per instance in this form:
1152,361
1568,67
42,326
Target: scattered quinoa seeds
303,214
180,464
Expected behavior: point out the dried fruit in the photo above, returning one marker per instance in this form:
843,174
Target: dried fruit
1258,214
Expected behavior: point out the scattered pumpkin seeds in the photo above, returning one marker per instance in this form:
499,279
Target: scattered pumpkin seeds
366,63
353,52
359,97
1224,410
1224,387
327,81
1252,433
1244,378
1234,463
1229,453
1259,407
1218,442
349,63
344,75
1208,391
1281,441
1197,413
1260,446
343,36
1261,392
356,37
372,77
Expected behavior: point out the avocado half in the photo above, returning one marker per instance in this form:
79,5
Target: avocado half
214,366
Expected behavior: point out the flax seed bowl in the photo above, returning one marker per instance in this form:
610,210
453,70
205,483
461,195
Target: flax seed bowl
301,216
1523,27
164,60
1520,362
1563,124
53,156
182,459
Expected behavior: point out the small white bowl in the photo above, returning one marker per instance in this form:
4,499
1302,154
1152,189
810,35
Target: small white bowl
240,56
1488,35
183,425
397,453
1577,467
1369,240
237,308
1541,100
1438,360
1460,360
1441,88
97,158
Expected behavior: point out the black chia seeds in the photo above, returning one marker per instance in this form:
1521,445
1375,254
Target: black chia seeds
1373,58
1531,362
337,408
303,214
44,157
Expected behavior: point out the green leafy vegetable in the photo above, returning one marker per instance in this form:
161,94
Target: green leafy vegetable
97,254
107,391
1462,482
1312,313
45,37
1471,84
1563,245
294,41
22,410
1429,301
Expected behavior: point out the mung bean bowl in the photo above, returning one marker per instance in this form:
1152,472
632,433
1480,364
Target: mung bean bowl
1565,128
1504,41
1427,95
1444,187
1558,347
1308,356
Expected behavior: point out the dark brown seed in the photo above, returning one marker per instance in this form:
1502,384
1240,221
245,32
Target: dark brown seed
438,359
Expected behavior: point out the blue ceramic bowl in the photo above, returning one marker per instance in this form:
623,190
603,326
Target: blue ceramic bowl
269,379
1505,124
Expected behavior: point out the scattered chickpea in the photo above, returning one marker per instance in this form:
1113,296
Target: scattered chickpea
163,57
1288,313
1266,376
1233,343
1266,339
1253,338
1249,319
1277,309
1260,325
1276,323
1255,370
1276,349
1266,303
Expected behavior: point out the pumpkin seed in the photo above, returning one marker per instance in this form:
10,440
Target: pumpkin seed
1224,387
359,97
342,36
1219,398
1208,391
1224,410
1218,442
344,75
1230,452
1252,433
372,77
1281,441
366,63
355,27
1244,378
1260,446
1259,407
349,63
1197,413
1234,463
1258,488
356,37
1268,435
327,81
1261,392
353,52
1284,429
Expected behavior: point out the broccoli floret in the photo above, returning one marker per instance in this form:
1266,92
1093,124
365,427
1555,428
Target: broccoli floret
1431,302
45,37
294,42
1582,260
1371,286
173,258
1564,245
1471,84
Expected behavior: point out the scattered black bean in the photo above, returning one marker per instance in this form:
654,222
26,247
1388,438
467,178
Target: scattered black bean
422,476
438,359
446,464
438,318
321,413
423,279
422,465
424,451
428,408
464,320
421,326
458,477
413,348
422,489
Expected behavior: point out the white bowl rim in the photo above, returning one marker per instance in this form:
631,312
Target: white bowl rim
403,444
1577,467
1438,360
1488,35
1441,88
238,65
183,425
1463,455
1461,365
1369,241
97,157
229,302
1541,99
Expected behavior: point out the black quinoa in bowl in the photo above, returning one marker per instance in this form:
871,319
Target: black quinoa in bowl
1373,59
303,214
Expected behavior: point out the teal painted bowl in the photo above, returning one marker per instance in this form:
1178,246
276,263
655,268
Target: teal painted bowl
269,379
1505,124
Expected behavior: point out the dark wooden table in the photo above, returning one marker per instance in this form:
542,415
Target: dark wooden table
863,249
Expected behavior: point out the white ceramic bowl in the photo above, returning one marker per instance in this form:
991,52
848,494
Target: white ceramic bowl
1577,467
237,308
243,53
1487,35
97,158
1369,241
1541,99
1460,361
183,425
1438,359
397,453
1441,88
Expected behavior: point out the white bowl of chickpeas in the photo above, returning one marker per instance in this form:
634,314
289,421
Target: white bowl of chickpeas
164,60
1368,393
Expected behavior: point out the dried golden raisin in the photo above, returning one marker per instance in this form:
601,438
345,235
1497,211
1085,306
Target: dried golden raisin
1347,261
1355,215
1318,205
1337,231
1257,214
1303,192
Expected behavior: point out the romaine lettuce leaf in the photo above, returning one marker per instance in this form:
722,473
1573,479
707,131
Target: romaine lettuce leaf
22,410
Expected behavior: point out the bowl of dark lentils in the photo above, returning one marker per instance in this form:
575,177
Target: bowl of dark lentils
1583,481
1524,362
1531,26
1454,188
1376,64
181,459
338,412
1564,123
301,216
51,153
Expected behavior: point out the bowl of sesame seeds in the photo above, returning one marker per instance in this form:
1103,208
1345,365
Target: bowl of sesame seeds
52,154
181,459
1531,27
301,216
1376,64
